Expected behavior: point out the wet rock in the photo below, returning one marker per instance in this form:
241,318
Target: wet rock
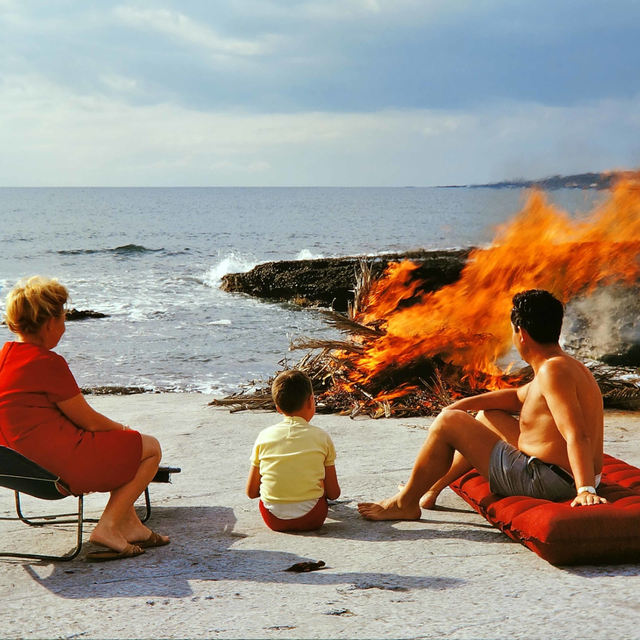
83,314
113,391
331,281
78,314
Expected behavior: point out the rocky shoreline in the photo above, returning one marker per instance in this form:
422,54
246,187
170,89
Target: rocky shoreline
114,390
331,281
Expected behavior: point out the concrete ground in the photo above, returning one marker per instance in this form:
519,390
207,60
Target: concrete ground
448,575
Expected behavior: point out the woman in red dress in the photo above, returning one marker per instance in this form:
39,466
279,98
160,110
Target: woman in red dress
44,416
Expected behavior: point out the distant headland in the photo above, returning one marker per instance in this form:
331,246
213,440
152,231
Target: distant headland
604,180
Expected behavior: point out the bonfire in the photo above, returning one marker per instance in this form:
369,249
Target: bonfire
407,352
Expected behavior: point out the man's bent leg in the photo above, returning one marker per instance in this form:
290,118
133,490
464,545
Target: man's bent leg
451,431
459,467
503,424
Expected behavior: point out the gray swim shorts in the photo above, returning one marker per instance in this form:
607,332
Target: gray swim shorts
513,473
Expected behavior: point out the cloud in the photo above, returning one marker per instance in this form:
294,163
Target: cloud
55,136
274,56
229,165
119,83
185,30
333,92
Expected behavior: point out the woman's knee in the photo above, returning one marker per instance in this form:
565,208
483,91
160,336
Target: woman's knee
151,447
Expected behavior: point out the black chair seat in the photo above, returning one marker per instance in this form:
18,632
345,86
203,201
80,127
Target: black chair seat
24,475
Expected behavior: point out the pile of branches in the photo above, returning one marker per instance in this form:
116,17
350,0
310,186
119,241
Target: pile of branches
619,386
327,374
427,385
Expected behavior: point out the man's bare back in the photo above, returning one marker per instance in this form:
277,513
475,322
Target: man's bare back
539,434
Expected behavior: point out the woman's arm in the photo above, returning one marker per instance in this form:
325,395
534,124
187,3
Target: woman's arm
331,486
253,482
80,412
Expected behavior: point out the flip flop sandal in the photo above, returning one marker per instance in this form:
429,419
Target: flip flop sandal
154,540
130,551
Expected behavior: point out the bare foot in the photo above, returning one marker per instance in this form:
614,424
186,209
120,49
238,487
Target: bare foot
132,529
388,509
109,537
428,500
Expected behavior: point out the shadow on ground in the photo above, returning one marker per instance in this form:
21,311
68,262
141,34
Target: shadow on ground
202,550
344,522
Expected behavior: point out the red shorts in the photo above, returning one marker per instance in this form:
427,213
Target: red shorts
308,522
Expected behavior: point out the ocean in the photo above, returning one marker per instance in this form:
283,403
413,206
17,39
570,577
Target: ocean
152,259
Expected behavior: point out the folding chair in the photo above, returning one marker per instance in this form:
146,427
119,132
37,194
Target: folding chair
25,476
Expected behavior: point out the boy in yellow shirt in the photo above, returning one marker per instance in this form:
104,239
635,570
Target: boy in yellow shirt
293,463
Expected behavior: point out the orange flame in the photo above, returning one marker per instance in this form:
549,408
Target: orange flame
467,323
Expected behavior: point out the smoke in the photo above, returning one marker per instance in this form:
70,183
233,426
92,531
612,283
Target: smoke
605,326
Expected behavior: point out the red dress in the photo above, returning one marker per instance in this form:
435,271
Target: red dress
32,380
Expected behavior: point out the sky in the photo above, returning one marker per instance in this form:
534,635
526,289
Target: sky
316,93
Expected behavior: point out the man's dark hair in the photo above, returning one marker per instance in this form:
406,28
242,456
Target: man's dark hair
539,313
290,390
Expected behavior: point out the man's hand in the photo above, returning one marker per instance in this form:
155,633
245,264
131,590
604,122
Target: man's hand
586,499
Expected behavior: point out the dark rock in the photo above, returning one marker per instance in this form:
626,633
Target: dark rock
75,314
304,567
331,281
113,391
627,356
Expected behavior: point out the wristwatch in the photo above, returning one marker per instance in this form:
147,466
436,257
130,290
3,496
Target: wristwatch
586,489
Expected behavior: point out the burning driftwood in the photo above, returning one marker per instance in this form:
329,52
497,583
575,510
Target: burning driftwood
408,351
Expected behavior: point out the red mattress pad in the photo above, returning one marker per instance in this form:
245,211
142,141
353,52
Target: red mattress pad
565,535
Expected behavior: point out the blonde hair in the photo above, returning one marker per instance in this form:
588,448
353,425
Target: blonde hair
32,302
290,390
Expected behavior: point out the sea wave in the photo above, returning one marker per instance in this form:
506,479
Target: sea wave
305,254
232,262
123,250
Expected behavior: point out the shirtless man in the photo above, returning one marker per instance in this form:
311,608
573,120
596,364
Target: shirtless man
553,452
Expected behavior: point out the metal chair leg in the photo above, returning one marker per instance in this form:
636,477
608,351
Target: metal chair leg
64,558
48,519
39,521
147,503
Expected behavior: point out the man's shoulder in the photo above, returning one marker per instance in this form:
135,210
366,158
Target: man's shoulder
561,365
565,374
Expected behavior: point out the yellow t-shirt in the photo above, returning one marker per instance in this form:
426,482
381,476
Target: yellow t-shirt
291,457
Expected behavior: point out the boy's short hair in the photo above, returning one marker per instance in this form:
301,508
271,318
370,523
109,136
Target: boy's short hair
290,390
539,313
34,301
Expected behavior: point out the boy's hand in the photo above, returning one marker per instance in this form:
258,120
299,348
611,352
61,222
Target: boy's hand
331,486
253,482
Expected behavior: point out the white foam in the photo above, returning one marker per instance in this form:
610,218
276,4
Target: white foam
305,254
225,323
231,263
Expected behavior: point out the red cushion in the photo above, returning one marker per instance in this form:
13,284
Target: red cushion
561,534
